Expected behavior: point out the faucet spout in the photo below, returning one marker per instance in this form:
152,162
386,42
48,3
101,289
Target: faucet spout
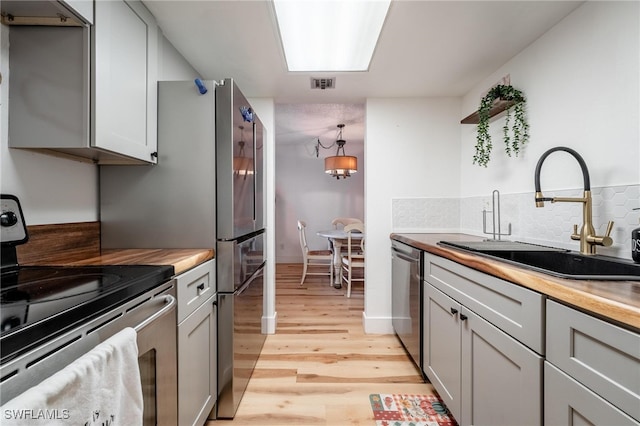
540,199
587,235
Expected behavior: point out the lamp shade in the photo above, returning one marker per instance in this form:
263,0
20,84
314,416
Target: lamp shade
243,166
340,165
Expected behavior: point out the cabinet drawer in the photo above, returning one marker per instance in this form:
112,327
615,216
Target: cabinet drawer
515,310
600,355
194,287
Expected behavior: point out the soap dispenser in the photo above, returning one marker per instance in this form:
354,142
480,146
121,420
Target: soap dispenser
635,243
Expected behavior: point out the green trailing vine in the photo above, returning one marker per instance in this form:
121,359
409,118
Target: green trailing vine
514,137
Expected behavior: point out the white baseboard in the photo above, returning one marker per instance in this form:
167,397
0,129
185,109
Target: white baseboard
377,325
269,324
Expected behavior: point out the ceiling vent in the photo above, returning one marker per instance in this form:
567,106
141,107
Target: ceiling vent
323,83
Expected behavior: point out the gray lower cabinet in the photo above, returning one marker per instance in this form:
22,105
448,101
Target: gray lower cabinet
567,402
197,370
197,344
442,349
484,375
592,373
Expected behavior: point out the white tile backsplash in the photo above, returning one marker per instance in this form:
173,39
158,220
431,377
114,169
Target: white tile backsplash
425,214
550,225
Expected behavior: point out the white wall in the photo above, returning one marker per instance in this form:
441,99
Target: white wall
412,150
582,83
581,80
305,192
52,189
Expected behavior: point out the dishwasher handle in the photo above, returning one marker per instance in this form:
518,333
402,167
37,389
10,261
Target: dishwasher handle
404,255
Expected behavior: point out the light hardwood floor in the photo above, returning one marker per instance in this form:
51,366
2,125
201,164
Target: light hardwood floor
320,367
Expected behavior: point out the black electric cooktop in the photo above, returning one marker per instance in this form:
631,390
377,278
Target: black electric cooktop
38,303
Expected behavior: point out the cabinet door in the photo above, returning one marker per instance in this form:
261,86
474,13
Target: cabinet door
567,402
197,365
441,346
501,378
125,78
602,356
82,8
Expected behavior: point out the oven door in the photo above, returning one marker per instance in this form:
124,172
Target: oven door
152,315
157,360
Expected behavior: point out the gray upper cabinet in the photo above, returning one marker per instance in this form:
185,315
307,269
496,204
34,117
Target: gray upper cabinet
82,91
82,9
125,59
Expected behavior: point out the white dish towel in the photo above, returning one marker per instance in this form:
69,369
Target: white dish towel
102,387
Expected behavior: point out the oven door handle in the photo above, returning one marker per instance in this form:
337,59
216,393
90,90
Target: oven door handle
168,301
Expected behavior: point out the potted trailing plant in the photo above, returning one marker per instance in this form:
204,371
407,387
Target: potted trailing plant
515,137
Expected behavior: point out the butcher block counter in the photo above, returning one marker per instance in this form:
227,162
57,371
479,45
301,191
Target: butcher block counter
618,301
76,244
181,259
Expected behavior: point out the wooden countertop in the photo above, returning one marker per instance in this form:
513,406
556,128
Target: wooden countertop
618,301
181,259
78,243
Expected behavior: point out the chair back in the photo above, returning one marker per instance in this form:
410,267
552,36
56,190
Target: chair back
344,221
354,227
303,238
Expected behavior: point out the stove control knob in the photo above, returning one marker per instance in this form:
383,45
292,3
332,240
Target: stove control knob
8,218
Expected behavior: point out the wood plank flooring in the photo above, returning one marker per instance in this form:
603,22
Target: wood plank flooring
320,367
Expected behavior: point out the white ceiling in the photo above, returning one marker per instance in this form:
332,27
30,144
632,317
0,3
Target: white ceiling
427,48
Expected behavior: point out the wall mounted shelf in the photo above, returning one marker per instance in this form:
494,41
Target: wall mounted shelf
498,106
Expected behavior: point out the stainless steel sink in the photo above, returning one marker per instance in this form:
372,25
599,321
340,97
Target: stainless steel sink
554,261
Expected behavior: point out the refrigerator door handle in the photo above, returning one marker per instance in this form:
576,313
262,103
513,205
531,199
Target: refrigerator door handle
249,280
255,172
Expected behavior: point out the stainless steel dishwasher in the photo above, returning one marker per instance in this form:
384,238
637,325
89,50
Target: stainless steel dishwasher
406,298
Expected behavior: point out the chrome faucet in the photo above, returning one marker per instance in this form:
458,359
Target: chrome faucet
587,235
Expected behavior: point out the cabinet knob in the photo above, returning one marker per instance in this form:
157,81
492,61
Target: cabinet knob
200,287
454,311
463,317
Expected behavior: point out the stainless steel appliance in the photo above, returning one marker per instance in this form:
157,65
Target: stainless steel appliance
206,191
240,248
51,315
406,298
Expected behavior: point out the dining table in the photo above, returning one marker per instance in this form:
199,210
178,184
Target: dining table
338,237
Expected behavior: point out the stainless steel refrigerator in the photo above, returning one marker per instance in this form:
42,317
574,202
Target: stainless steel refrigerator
240,243
205,192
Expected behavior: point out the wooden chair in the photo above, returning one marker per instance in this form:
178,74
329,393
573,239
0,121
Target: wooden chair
354,259
314,259
344,221
341,222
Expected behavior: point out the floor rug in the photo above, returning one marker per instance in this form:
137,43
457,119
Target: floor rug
410,410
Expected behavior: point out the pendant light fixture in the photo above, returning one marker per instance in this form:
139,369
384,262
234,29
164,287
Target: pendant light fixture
242,165
340,165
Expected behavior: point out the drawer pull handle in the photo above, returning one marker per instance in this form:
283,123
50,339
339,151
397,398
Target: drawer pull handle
463,317
454,311
201,287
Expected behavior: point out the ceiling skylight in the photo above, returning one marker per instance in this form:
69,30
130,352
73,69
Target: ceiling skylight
330,35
